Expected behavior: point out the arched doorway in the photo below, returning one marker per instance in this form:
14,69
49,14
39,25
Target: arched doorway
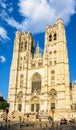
52,95
19,107
35,105
19,100
52,105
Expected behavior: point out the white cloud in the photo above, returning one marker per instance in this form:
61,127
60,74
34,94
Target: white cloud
12,22
2,4
2,59
10,10
3,34
39,13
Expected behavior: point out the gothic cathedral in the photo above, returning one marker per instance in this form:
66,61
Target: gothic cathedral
40,82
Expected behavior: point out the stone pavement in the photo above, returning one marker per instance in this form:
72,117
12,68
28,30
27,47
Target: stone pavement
40,126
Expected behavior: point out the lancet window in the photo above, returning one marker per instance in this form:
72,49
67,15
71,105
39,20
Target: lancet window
21,80
25,45
55,36
50,37
21,47
52,77
36,83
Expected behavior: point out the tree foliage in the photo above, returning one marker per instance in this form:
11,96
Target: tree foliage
3,103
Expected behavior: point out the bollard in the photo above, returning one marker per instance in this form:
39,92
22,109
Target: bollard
52,123
40,125
46,124
1,125
33,124
9,126
57,125
20,125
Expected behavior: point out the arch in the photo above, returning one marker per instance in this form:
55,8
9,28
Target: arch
35,98
52,92
20,96
19,99
55,62
19,107
50,52
52,101
25,45
35,104
55,36
36,83
36,75
21,47
53,77
50,37
53,72
21,80
55,51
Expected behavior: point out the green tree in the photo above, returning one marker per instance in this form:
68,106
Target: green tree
3,103
0,105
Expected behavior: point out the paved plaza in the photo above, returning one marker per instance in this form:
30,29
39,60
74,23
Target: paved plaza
37,126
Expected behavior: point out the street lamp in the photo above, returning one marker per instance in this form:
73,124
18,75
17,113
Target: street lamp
7,111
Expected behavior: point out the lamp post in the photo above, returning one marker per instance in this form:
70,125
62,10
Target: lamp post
20,118
7,111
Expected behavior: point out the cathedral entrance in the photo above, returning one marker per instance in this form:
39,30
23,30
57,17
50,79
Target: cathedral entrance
52,102
35,106
19,107
19,100
52,106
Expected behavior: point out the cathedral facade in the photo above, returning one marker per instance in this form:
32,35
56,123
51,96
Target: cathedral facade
40,82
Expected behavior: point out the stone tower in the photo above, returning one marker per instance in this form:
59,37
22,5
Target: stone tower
57,64
23,51
40,82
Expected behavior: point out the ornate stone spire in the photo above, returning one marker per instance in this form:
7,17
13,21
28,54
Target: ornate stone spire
37,48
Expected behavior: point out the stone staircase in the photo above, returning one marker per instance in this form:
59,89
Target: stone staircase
57,116
2,116
14,116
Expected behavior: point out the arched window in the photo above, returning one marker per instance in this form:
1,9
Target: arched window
19,98
21,80
21,47
25,45
50,63
50,52
19,107
52,92
55,62
36,83
50,37
52,105
52,72
55,36
52,77
55,51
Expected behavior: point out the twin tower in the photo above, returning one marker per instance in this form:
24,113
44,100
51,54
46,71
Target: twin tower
40,82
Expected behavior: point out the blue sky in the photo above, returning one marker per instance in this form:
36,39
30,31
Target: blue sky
34,15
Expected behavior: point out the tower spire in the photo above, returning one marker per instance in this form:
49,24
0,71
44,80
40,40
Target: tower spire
37,48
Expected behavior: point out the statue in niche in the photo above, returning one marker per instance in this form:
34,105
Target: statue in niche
19,96
52,92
